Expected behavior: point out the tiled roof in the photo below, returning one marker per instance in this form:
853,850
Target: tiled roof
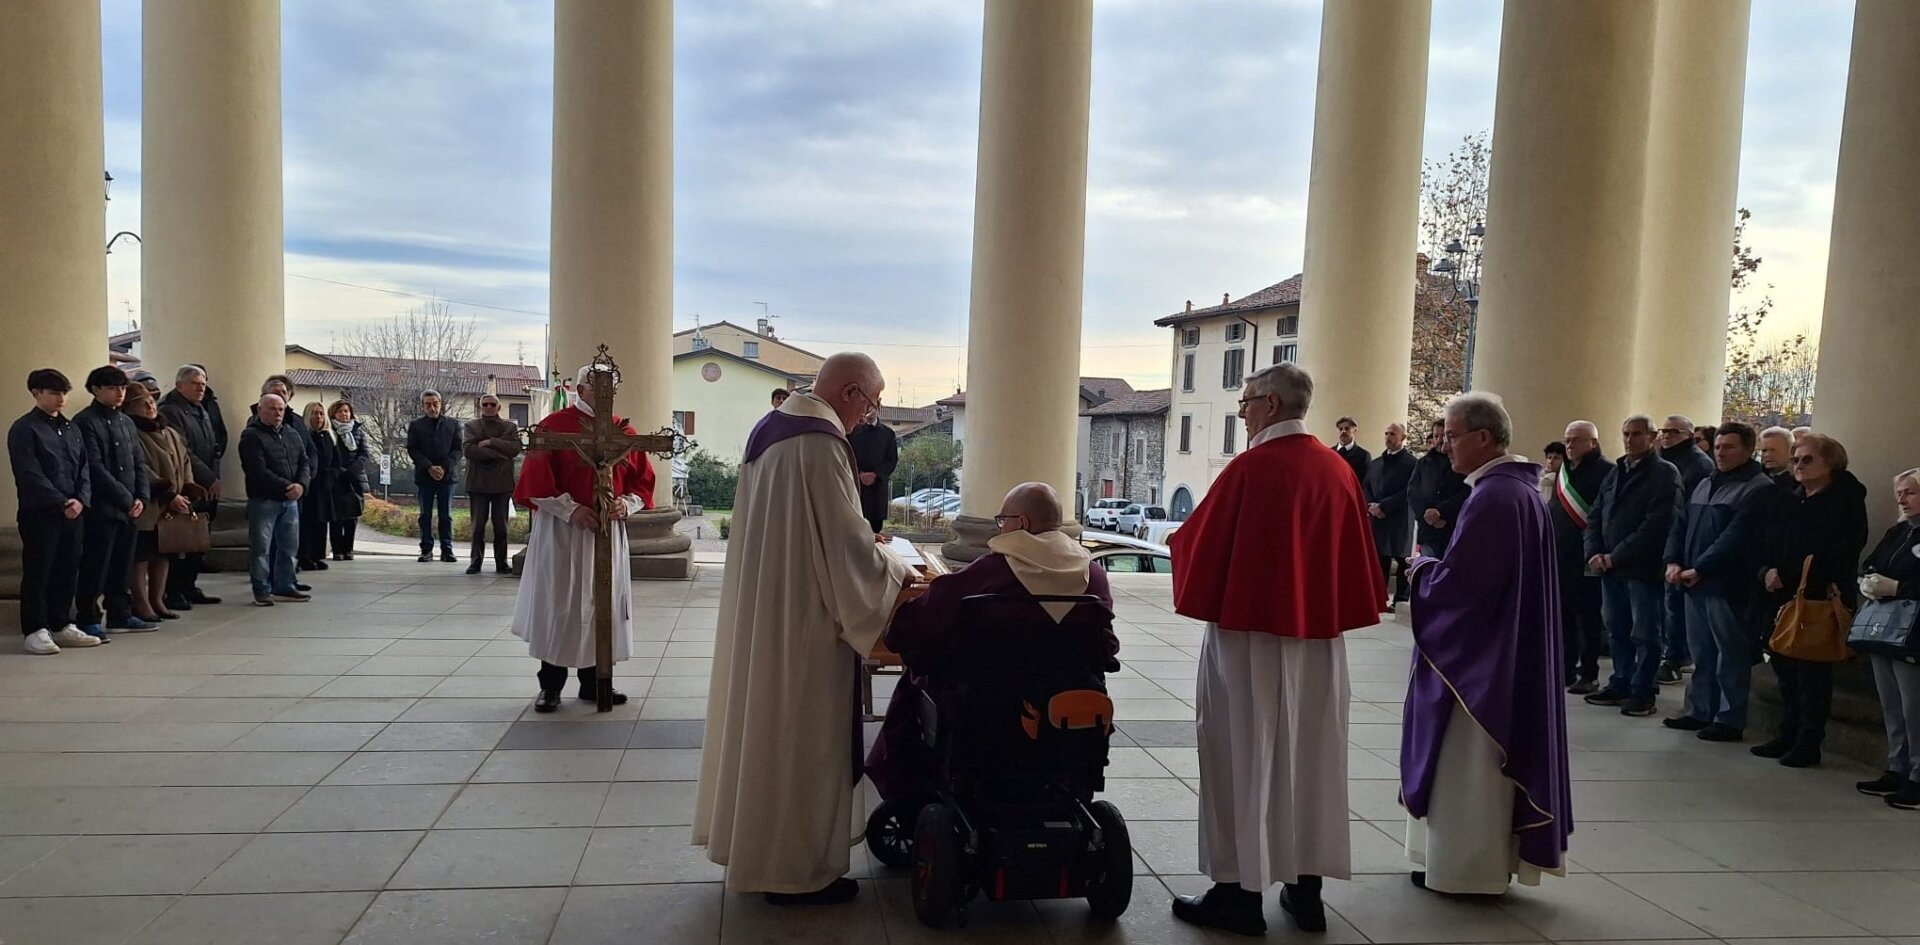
370,380
1107,387
1135,403
1286,292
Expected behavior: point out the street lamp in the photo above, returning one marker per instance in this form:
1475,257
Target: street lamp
107,191
116,238
1461,266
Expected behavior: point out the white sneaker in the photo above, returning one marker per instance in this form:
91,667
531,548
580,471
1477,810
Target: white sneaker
40,643
71,635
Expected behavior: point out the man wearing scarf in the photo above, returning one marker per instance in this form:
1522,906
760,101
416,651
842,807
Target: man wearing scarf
1574,491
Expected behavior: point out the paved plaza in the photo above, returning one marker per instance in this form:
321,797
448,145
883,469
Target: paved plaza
366,768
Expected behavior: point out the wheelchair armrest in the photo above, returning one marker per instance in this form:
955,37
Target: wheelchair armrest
929,720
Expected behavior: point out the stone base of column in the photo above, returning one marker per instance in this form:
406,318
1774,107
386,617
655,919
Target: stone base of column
229,551
10,572
971,534
656,552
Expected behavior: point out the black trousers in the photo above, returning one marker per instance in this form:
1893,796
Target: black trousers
49,570
1585,634
1806,699
341,531
554,678
1390,564
313,534
106,570
489,506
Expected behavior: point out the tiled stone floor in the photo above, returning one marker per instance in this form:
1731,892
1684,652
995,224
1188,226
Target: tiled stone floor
365,769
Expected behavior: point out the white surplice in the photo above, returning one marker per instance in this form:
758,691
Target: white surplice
1272,728
553,609
805,593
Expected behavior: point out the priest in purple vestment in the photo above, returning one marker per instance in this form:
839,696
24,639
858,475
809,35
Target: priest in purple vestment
1483,747
1030,556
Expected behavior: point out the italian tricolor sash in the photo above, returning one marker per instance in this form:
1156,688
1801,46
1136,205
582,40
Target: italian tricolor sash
1570,499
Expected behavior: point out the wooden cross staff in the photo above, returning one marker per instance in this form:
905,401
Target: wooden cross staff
604,446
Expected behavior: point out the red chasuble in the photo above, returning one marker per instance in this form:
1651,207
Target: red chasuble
1282,544
547,473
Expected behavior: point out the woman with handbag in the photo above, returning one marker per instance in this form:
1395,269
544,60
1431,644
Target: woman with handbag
1815,539
316,505
351,490
170,475
1890,580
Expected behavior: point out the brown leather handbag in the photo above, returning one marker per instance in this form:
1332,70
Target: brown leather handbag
1812,630
183,534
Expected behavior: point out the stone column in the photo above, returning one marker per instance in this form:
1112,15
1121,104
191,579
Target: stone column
612,262
53,271
1363,211
1693,166
1869,332
1560,274
1029,242
212,225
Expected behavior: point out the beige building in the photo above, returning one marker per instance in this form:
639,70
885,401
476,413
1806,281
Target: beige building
753,345
718,396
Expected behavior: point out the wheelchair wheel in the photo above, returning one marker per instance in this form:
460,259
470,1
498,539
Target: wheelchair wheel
937,882
1110,884
890,833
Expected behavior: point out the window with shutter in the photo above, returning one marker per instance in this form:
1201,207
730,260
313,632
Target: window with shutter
1186,373
1236,331
1227,445
1189,337
1233,368
1186,433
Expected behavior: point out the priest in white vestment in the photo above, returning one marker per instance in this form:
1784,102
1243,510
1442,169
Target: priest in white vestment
806,594
1279,561
553,610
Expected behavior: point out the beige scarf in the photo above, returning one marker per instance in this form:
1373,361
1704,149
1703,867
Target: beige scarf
1046,564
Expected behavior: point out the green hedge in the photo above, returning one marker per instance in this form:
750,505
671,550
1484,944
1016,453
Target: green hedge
404,522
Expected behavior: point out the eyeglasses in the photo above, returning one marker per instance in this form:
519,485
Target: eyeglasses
1247,400
1804,460
1004,519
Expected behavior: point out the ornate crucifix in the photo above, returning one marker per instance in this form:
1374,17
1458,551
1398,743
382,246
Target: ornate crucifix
604,446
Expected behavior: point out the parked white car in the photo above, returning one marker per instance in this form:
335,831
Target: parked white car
1105,514
1133,516
1156,532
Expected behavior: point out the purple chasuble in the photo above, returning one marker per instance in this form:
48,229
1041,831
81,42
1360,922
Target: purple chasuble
1486,631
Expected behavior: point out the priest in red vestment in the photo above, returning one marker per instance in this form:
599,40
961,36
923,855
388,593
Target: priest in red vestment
1279,561
553,610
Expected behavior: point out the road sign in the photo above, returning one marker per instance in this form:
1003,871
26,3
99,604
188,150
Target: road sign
386,469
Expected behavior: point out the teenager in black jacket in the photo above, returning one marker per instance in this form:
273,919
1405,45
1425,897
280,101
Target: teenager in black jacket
50,479
118,469
1892,572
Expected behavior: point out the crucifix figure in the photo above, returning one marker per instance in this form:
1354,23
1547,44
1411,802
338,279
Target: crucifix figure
604,445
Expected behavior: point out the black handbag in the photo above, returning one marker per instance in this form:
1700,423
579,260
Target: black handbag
346,504
1885,628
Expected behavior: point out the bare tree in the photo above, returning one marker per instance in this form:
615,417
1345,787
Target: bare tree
416,351
1453,201
1768,382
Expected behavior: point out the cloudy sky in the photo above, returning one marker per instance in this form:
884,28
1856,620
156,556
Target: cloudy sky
826,154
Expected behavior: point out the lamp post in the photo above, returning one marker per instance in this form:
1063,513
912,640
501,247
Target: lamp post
116,238
1460,263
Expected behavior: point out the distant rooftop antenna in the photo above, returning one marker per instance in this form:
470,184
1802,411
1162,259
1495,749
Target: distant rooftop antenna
765,327
699,337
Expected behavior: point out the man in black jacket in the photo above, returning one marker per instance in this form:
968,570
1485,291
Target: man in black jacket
1385,486
1435,496
118,470
1356,455
190,408
1679,446
273,455
1575,491
434,443
50,480
877,452
1626,540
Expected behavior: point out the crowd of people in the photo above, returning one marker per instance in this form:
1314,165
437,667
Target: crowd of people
117,502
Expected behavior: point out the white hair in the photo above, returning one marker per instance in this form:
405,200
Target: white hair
430,392
1781,432
1483,411
1584,427
1681,420
187,372
1638,420
1286,382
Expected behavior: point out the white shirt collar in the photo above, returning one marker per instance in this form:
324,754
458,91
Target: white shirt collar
1278,430
808,405
1500,460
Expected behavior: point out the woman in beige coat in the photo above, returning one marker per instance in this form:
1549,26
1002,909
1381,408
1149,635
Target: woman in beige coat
170,471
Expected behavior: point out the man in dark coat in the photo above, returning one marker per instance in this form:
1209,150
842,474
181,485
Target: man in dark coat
490,443
1626,542
1356,455
1575,490
118,469
877,452
1679,446
191,409
1435,496
433,443
1386,482
53,490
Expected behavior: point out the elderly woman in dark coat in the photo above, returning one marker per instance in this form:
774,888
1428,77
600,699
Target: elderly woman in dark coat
1892,572
351,491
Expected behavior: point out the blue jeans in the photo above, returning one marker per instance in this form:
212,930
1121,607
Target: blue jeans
1723,657
1677,642
1634,612
436,497
273,532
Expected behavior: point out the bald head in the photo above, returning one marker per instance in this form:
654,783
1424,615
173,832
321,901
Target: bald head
1037,505
850,383
272,409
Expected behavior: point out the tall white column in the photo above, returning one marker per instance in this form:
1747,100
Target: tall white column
1363,210
53,271
213,276
1560,274
1029,245
1693,168
1869,334
612,259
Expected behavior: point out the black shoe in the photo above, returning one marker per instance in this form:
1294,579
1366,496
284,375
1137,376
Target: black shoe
593,695
1685,723
426,556
503,568
1419,878
839,891
1886,784
262,600
1639,707
1907,798
446,554
347,557
1583,687
337,556
474,568
547,701
1225,907
318,564
302,588
1721,733
297,596
196,596
1669,674
1773,749
1607,697
176,602
1802,756
1303,905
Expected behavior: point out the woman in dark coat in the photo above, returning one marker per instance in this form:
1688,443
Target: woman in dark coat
1892,572
1824,518
316,505
351,491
